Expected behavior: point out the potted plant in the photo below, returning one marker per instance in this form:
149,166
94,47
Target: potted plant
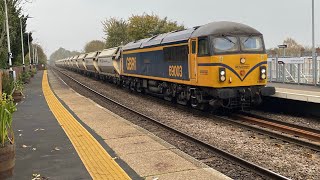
17,91
25,77
33,71
7,146
14,88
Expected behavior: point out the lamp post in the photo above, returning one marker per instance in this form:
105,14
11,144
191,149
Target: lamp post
29,50
22,46
314,59
36,59
33,53
8,40
283,46
22,43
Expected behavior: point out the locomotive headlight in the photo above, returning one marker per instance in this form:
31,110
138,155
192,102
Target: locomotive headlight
222,74
263,72
242,60
222,78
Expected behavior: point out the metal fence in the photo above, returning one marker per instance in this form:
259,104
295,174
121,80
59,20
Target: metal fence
296,70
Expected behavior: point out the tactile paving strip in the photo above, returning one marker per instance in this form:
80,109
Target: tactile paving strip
97,161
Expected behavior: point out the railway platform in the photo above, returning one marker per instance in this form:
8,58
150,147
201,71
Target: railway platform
63,135
303,93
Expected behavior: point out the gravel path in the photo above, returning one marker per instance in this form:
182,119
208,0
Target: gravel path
287,159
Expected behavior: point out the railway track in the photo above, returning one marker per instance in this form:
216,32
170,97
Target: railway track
293,133
289,128
224,154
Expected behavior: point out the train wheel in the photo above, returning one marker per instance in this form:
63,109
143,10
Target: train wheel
182,98
132,85
139,87
200,106
168,95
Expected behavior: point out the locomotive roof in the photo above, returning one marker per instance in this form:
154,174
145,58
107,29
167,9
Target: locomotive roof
224,28
214,28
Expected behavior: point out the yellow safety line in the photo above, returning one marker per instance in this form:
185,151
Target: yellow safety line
98,162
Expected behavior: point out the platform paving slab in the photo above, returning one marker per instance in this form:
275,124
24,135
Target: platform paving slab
304,93
42,147
137,144
145,153
197,174
158,162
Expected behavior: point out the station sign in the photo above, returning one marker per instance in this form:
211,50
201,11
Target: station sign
295,60
282,46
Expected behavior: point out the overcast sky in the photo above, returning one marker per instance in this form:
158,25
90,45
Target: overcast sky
72,23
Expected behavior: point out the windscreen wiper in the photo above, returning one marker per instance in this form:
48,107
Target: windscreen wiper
226,37
248,38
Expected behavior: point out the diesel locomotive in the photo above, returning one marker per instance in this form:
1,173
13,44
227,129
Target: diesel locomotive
220,64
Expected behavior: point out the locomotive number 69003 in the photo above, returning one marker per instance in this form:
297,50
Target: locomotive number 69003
175,71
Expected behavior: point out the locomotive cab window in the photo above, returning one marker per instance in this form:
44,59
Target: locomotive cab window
193,46
225,44
251,43
203,47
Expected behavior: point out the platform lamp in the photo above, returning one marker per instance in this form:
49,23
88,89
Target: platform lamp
30,61
22,42
314,56
283,46
11,72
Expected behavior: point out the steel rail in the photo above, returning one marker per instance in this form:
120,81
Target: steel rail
274,134
242,162
292,129
304,128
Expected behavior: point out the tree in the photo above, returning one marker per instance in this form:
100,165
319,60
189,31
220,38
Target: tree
14,14
95,45
145,25
42,57
116,32
62,53
294,49
120,31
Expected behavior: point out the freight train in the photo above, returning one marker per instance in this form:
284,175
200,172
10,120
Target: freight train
220,64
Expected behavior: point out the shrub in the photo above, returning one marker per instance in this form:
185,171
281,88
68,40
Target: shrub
7,84
25,76
7,107
34,71
18,86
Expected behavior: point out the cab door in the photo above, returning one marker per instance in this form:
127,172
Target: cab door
193,48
